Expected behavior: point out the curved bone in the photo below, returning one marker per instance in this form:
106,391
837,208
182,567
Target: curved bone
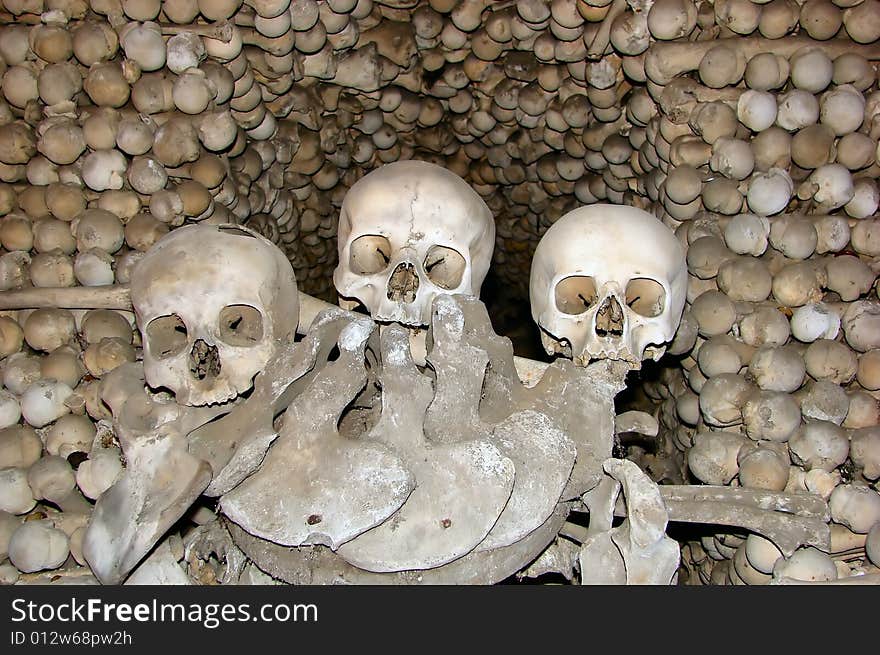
160,482
599,558
461,488
320,565
649,555
582,402
638,551
235,444
579,400
544,457
542,454
324,489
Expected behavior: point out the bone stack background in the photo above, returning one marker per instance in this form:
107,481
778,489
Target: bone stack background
751,128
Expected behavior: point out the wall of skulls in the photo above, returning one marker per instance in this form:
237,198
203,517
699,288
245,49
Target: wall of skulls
751,128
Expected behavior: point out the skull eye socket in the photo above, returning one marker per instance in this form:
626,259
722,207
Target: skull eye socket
241,325
370,254
576,294
645,297
444,267
167,335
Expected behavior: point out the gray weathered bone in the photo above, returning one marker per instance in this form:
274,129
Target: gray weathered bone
542,454
320,565
599,559
788,520
315,486
650,557
636,421
461,487
235,444
580,401
160,568
160,482
573,405
638,550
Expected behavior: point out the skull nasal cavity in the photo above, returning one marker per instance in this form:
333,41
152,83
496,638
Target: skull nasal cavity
609,318
403,284
204,360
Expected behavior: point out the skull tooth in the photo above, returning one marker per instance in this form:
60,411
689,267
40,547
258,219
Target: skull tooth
204,360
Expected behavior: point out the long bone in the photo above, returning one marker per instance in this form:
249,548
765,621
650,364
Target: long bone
665,61
788,520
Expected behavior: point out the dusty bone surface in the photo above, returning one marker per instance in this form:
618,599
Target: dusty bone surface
160,482
448,429
638,550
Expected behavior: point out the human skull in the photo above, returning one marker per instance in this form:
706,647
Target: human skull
409,231
608,282
211,301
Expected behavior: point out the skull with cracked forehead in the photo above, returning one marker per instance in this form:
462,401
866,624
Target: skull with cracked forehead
409,231
211,301
608,282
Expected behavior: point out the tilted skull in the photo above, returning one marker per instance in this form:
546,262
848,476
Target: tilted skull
608,282
211,301
409,231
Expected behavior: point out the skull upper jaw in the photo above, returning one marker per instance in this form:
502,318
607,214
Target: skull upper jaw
192,392
589,352
229,374
594,335
602,348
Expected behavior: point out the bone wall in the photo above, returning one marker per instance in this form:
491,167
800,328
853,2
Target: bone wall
750,128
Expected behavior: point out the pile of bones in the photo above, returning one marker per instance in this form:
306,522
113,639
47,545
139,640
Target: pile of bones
242,247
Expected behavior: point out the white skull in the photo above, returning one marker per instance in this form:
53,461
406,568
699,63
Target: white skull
211,301
409,231
608,282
